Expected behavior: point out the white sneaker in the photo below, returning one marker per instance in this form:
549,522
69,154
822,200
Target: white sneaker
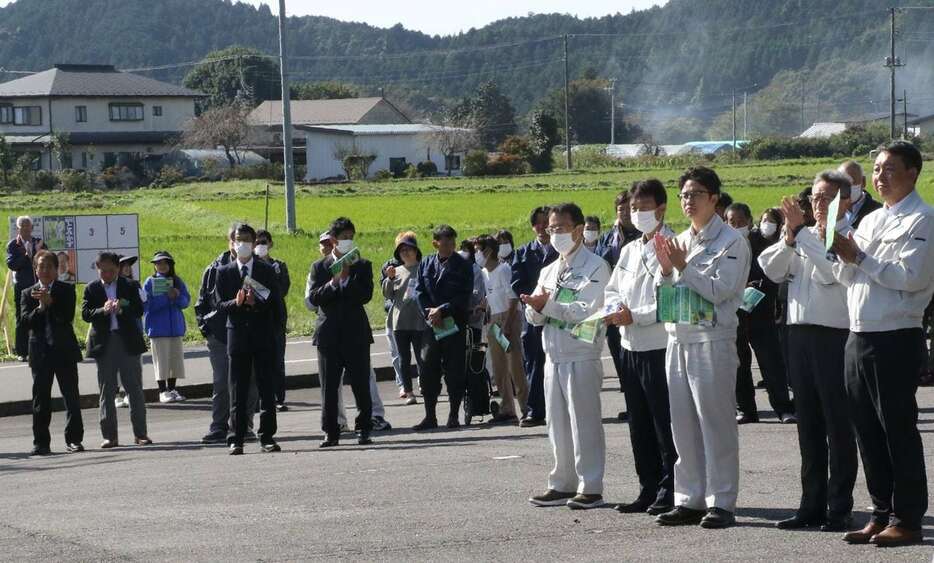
166,397
176,396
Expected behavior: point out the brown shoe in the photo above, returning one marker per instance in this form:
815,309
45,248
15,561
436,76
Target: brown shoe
143,441
107,444
894,536
864,535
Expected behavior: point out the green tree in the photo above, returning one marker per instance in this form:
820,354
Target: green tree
490,112
236,73
328,90
543,136
589,107
7,160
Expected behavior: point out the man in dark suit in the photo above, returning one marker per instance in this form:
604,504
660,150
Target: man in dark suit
609,247
19,259
48,313
445,285
342,331
248,292
861,203
113,307
527,264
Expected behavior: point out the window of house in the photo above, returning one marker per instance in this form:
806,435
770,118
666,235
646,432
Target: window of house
81,114
6,114
84,161
126,112
397,166
27,115
452,162
157,111
66,161
110,159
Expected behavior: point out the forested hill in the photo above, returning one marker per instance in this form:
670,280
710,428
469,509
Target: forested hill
799,60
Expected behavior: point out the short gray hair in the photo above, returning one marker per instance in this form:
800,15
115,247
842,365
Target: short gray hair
836,178
850,165
22,219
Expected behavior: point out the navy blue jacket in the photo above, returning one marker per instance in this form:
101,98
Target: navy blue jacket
448,286
211,321
613,241
16,260
527,265
341,321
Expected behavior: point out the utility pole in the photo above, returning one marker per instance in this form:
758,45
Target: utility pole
733,94
905,114
612,89
286,127
567,105
892,62
745,116
804,123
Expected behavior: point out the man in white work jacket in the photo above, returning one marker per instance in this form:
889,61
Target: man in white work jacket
712,260
818,327
889,273
570,290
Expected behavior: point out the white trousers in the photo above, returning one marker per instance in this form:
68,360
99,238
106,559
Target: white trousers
701,389
378,408
575,426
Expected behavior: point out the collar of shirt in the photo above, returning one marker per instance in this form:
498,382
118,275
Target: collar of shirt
249,267
566,261
906,202
709,231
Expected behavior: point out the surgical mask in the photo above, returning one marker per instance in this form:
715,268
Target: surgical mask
244,249
262,250
504,250
644,221
563,243
743,231
344,246
464,254
591,236
768,228
480,259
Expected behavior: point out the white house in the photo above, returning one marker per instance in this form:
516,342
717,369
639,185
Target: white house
109,116
395,146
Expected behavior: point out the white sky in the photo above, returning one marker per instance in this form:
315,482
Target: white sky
434,17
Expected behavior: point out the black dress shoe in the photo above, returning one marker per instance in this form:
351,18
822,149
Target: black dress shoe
797,522
453,421
74,447
282,407
529,422
623,416
718,518
837,524
638,505
659,508
214,438
235,450
364,439
426,424
41,450
680,516
329,442
271,447
743,418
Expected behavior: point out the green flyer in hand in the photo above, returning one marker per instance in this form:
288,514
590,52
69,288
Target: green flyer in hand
682,305
161,286
349,258
447,328
832,211
497,333
751,298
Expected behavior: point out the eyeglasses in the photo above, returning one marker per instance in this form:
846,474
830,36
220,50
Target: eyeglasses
691,196
558,229
820,200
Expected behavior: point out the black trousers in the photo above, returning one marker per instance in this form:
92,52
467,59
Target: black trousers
764,342
446,356
825,433
881,382
333,361
614,343
408,341
67,375
280,366
20,330
533,360
243,368
653,449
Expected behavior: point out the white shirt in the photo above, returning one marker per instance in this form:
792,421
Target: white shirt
893,285
633,284
499,288
111,290
815,297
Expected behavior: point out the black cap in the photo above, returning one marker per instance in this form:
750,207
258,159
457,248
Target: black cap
162,255
409,242
127,260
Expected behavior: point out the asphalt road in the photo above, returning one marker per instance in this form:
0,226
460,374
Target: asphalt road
444,495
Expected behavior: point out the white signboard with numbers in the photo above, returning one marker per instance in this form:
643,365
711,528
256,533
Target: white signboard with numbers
82,237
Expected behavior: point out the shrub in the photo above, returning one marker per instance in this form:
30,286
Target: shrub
382,175
357,166
75,180
44,181
411,171
168,176
507,165
475,163
264,171
427,168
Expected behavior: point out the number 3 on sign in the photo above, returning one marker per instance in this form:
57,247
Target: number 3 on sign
91,232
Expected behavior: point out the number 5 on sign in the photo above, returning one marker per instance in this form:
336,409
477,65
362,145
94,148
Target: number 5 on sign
122,231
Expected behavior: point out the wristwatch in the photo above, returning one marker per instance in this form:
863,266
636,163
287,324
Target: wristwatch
860,256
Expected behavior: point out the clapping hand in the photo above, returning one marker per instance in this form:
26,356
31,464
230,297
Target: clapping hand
623,317
845,248
536,302
794,217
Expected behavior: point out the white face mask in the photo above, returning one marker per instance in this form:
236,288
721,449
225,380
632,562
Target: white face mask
768,228
344,246
464,254
262,250
504,250
591,236
480,259
645,221
743,231
244,249
563,243
856,192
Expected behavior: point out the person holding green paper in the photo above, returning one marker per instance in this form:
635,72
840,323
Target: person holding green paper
631,293
817,331
570,291
166,297
504,327
712,260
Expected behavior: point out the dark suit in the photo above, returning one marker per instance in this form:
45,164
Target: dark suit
250,346
868,206
343,337
24,276
608,248
527,265
117,351
448,285
53,353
